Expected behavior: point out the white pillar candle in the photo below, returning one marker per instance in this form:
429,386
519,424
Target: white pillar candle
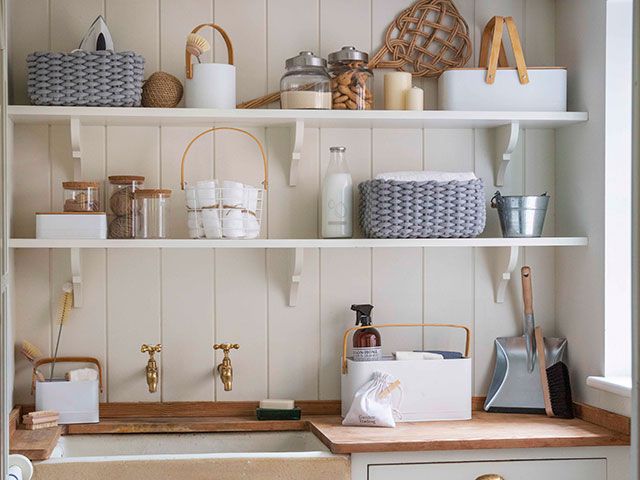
414,99
395,86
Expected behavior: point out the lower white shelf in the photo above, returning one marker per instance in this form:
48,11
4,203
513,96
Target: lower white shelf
303,243
297,247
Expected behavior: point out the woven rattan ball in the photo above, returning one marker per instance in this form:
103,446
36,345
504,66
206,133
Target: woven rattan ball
121,227
161,90
121,201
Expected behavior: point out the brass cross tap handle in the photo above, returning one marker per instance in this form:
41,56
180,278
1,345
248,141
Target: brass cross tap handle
225,369
152,366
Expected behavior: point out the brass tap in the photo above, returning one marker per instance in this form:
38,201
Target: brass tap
225,369
152,366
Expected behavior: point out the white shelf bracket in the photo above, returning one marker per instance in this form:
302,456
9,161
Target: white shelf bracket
296,152
76,148
76,276
296,275
506,142
501,289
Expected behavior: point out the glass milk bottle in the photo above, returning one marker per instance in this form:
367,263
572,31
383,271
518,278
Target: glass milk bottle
337,197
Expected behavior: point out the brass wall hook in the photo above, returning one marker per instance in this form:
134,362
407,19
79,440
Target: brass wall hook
225,369
152,366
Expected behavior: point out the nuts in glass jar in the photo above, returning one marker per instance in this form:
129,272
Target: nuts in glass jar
351,79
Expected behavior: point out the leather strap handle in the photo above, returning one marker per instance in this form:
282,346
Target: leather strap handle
492,51
345,337
227,41
46,360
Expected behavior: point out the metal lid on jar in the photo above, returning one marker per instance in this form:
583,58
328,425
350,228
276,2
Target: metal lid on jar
348,54
305,59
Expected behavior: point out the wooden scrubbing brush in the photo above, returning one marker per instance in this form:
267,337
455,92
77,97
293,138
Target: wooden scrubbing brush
64,310
31,353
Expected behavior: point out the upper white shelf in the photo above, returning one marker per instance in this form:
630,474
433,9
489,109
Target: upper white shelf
302,243
277,117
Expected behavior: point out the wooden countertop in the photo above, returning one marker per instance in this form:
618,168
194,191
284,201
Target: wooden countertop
595,427
483,431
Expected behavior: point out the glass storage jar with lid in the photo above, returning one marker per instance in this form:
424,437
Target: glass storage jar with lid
121,204
82,197
306,83
351,80
151,212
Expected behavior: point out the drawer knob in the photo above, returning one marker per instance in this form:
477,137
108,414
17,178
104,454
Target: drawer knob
490,476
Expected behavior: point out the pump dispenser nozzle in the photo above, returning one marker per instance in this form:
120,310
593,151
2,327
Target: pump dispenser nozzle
363,313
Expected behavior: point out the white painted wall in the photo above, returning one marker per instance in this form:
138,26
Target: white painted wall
189,299
581,188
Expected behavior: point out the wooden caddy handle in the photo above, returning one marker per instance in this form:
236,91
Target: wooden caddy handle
265,163
227,41
345,337
494,57
45,360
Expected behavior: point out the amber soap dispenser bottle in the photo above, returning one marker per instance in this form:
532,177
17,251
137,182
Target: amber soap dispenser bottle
367,344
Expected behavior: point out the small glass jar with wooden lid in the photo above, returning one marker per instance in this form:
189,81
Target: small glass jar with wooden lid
82,197
121,190
351,80
151,213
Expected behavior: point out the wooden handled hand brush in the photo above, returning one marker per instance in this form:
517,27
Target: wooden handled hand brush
64,310
31,353
197,45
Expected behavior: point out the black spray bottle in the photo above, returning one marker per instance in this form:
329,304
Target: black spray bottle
367,344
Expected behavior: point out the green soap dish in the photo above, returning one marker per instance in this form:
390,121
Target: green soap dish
273,414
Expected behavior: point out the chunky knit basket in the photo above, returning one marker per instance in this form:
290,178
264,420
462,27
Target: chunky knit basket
394,209
102,78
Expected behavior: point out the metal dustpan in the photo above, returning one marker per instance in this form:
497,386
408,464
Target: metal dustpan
516,386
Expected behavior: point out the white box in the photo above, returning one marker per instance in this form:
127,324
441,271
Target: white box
71,225
77,402
432,389
466,89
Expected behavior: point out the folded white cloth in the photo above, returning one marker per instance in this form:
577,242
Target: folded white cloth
427,176
81,375
194,224
206,193
211,222
250,219
232,194
418,356
232,223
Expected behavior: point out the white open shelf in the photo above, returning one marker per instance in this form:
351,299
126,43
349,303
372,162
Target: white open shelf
278,117
302,243
506,125
297,247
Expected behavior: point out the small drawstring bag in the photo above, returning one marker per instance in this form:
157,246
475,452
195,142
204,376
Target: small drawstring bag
373,404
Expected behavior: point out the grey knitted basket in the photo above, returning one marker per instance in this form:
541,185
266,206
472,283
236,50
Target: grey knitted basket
394,209
102,78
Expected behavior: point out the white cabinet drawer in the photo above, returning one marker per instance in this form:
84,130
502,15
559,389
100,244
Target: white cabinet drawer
579,469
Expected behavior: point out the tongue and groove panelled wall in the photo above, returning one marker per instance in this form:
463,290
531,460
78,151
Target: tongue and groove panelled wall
189,299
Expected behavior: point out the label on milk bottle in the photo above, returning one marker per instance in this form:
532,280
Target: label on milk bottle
367,354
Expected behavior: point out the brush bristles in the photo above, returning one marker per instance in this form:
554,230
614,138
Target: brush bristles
64,307
30,351
560,390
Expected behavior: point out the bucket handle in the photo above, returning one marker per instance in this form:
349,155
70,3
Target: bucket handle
202,134
227,41
47,360
495,199
345,337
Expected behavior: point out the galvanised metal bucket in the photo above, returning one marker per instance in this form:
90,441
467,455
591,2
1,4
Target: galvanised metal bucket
521,216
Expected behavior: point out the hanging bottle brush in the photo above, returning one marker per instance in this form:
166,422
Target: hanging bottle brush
64,311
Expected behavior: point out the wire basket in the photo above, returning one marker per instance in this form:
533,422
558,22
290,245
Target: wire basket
224,209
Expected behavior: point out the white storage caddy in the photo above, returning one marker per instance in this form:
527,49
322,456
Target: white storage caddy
74,225
431,389
491,88
76,402
210,85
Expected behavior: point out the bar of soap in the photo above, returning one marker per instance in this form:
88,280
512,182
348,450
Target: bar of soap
275,404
